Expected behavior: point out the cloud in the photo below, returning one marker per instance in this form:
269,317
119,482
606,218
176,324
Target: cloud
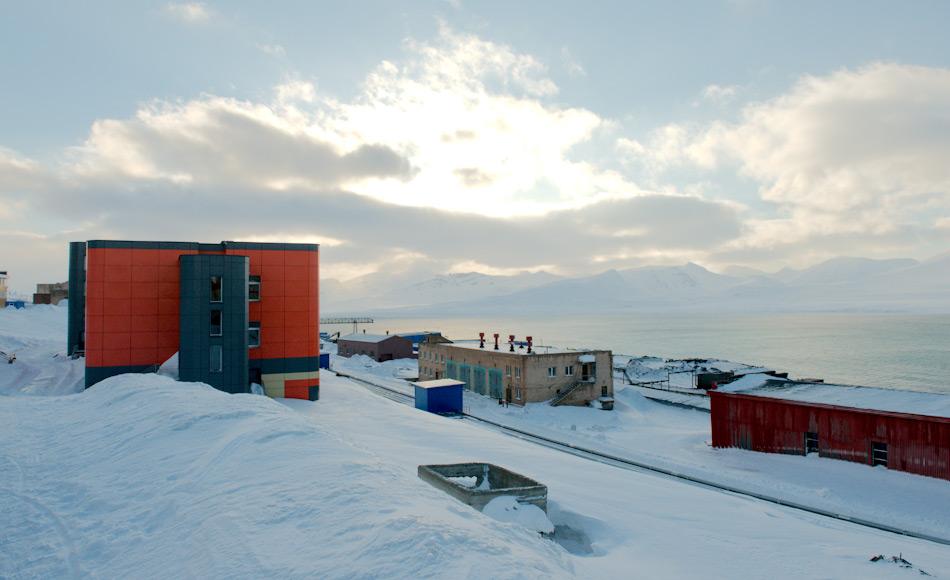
860,153
571,64
719,93
271,49
218,141
189,12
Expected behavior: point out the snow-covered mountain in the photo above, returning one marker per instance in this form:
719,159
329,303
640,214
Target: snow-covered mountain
838,285
381,291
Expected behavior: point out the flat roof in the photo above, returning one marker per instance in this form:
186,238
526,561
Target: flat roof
438,383
535,349
857,397
368,338
198,246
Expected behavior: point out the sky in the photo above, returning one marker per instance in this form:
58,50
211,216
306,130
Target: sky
499,137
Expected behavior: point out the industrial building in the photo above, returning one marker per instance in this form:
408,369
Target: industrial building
901,430
51,293
237,313
521,374
379,347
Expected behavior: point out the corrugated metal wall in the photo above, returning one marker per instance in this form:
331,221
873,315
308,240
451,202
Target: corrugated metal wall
915,443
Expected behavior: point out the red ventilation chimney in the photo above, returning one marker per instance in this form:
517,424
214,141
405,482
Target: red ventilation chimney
496,340
511,343
481,340
529,344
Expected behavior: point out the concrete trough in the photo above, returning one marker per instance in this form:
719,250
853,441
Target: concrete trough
476,484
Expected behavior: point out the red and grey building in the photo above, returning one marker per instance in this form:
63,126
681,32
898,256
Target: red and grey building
901,430
236,313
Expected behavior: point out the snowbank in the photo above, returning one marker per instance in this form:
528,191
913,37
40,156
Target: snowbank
507,509
144,477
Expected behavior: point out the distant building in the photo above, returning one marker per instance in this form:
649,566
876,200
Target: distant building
237,313
379,347
3,288
521,375
901,430
420,336
51,293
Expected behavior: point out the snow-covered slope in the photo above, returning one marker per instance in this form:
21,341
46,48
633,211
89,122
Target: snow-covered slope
144,477
37,336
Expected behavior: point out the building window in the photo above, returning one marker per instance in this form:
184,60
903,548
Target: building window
518,393
508,370
253,334
569,371
217,358
517,372
811,443
216,284
254,288
603,391
552,372
216,327
878,453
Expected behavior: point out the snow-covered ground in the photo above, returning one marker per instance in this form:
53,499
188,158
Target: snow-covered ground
145,477
37,336
677,438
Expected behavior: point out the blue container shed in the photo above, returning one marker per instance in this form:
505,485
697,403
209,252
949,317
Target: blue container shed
441,396
324,360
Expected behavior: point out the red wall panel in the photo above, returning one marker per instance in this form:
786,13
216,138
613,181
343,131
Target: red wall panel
915,443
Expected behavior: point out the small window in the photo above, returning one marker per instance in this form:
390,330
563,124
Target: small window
518,394
216,327
253,334
216,284
217,358
878,453
603,391
552,372
508,371
517,372
569,371
254,288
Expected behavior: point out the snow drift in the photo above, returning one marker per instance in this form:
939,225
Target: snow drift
145,477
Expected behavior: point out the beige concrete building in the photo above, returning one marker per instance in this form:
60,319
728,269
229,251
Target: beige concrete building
527,375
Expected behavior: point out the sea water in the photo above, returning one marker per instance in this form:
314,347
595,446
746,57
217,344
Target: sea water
883,350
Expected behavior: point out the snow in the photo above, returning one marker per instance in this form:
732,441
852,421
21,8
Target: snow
931,404
507,509
437,383
678,438
37,336
142,476
145,477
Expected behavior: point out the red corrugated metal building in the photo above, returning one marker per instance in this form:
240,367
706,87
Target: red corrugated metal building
901,430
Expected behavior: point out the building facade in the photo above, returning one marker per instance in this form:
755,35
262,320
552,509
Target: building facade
51,293
379,347
523,376
236,312
909,432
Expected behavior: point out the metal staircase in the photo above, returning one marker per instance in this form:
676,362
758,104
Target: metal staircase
568,392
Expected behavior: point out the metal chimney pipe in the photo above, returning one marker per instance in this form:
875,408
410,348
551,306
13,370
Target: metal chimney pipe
511,343
481,340
529,344
496,341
